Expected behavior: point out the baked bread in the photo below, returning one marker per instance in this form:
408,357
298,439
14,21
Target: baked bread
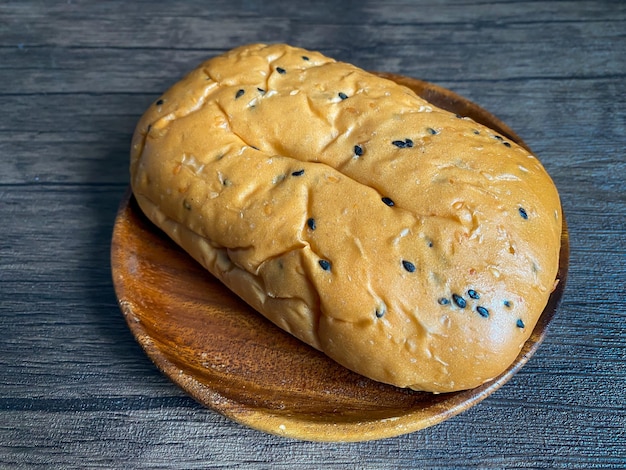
413,246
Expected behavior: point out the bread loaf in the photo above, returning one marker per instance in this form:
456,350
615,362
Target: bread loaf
413,246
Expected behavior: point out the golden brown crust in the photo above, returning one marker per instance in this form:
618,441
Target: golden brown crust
410,245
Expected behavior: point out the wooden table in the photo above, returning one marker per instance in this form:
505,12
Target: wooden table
77,391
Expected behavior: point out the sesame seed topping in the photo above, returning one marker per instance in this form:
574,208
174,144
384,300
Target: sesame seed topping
473,294
325,264
523,213
261,90
507,304
410,267
498,137
432,131
443,301
401,144
482,311
506,144
297,173
239,93
159,102
311,223
305,57
381,310
459,301
520,323
388,201
358,150
342,95
281,70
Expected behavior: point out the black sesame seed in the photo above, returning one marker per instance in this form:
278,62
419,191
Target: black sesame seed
261,90
520,323
410,267
506,144
498,137
159,102
186,205
388,201
281,70
343,96
297,173
358,150
401,144
255,148
239,93
482,311
305,57
522,213
380,311
477,132
432,131
443,301
473,294
507,304
459,301
311,223
325,264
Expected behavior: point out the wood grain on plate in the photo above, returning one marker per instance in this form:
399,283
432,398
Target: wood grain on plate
233,360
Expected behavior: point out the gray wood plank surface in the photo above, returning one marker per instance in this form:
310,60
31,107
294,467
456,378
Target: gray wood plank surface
77,391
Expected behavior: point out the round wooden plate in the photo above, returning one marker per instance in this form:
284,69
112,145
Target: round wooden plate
233,360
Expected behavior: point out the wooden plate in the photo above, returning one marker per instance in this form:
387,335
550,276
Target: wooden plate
233,360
